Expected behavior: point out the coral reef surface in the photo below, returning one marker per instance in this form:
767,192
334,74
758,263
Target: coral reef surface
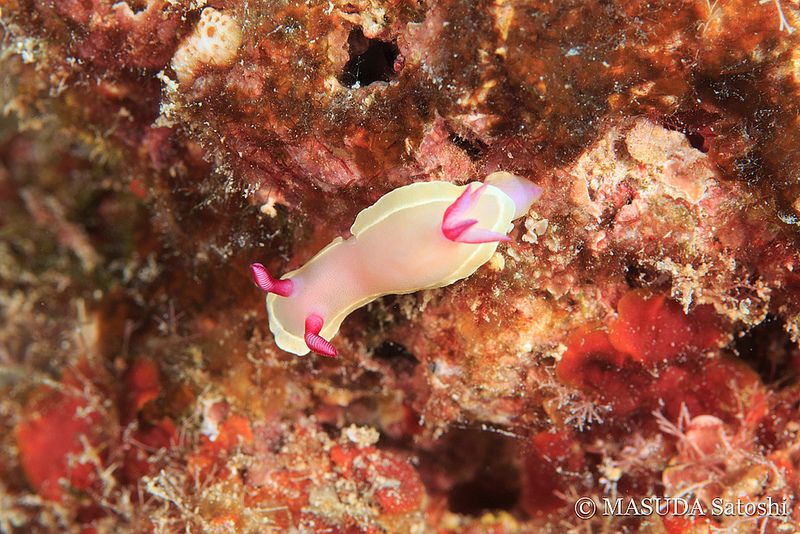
637,337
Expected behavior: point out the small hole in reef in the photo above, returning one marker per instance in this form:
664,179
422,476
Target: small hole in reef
494,484
331,429
698,141
397,356
249,331
483,467
634,275
210,32
371,60
489,490
769,350
692,123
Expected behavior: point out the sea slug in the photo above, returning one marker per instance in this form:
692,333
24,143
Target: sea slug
420,236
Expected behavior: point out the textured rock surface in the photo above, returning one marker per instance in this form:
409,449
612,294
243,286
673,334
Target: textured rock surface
638,336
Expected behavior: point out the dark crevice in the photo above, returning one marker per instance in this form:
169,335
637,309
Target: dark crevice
478,470
696,125
371,60
698,141
634,275
397,356
489,490
769,350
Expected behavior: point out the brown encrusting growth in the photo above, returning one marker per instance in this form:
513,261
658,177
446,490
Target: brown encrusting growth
639,336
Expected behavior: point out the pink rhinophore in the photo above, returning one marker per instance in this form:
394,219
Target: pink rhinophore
268,284
314,341
456,227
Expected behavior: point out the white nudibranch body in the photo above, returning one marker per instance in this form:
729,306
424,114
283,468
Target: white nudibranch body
215,41
420,236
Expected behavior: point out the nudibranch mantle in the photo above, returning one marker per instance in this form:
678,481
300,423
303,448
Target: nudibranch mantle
398,245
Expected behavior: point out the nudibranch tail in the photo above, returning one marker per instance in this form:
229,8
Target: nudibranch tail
523,192
268,284
315,342
460,230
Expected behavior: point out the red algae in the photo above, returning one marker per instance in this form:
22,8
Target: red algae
51,442
653,358
143,385
551,455
653,328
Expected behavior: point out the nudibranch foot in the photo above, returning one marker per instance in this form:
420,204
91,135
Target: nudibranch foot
314,341
268,284
460,230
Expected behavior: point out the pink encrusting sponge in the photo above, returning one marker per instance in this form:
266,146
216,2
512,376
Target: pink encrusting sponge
420,236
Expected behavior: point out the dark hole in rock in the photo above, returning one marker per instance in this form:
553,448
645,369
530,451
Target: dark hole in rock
479,470
489,490
769,350
696,125
397,356
634,275
371,60
698,141
331,428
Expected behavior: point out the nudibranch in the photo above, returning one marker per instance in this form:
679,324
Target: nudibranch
419,236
